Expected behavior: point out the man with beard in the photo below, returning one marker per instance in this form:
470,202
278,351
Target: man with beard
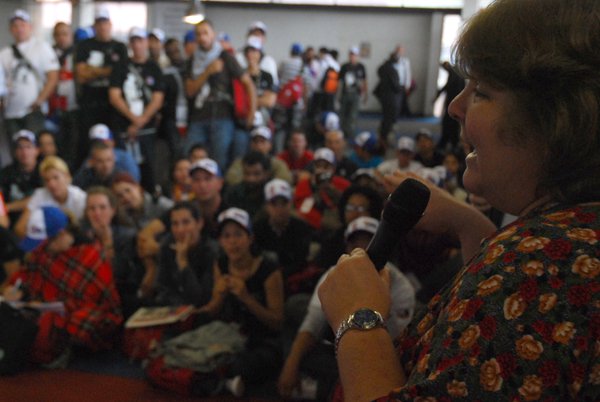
249,194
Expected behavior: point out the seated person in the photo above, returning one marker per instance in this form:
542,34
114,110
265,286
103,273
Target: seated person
124,162
181,188
365,151
282,233
117,244
260,141
100,168
186,259
19,179
248,289
318,195
427,154
10,256
335,140
355,202
310,353
136,207
297,156
57,191
58,259
197,152
249,193
405,158
47,143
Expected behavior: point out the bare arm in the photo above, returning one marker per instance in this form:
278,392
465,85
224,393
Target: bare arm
194,85
20,228
49,87
85,73
267,99
289,379
369,367
146,238
251,91
19,205
153,107
115,97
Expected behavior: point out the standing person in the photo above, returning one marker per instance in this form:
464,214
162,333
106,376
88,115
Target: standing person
521,320
63,102
156,39
136,92
353,77
174,113
390,92
402,65
31,68
258,29
208,83
95,59
450,127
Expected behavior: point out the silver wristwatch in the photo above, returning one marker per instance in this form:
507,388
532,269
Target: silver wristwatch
362,319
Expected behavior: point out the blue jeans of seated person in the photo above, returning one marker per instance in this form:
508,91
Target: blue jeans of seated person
217,135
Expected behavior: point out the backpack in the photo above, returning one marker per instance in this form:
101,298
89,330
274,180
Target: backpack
291,92
330,82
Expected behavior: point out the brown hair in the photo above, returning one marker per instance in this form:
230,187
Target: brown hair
546,53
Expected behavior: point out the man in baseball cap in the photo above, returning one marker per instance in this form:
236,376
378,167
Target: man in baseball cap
124,162
280,232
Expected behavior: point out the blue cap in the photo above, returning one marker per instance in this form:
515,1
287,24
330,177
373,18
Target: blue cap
83,33
297,49
190,36
366,140
44,222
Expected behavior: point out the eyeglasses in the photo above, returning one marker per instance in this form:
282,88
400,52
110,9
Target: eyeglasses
355,208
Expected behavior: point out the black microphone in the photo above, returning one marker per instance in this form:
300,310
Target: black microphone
403,210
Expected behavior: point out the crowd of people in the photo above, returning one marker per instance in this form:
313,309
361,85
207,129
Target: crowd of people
265,192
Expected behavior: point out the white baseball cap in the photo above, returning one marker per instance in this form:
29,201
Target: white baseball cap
158,34
20,14
261,131
137,32
207,165
100,132
331,121
24,135
102,13
258,25
405,144
278,188
361,224
324,154
355,50
236,215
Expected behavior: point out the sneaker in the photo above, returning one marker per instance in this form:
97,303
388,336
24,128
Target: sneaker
235,385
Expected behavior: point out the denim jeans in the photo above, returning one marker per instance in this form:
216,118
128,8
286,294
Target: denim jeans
217,135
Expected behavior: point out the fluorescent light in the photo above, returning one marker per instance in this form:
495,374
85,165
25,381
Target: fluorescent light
194,13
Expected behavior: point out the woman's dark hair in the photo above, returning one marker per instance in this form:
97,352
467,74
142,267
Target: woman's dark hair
188,205
545,52
375,201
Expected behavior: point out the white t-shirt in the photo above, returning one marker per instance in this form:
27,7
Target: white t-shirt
23,85
75,200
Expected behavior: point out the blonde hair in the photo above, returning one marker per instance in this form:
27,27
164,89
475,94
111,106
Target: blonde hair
54,162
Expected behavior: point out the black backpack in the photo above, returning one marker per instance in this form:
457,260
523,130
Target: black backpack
18,329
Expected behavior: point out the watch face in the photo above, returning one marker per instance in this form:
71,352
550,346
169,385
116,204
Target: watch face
366,318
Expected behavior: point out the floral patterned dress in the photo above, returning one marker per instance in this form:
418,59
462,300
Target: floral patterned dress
520,322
